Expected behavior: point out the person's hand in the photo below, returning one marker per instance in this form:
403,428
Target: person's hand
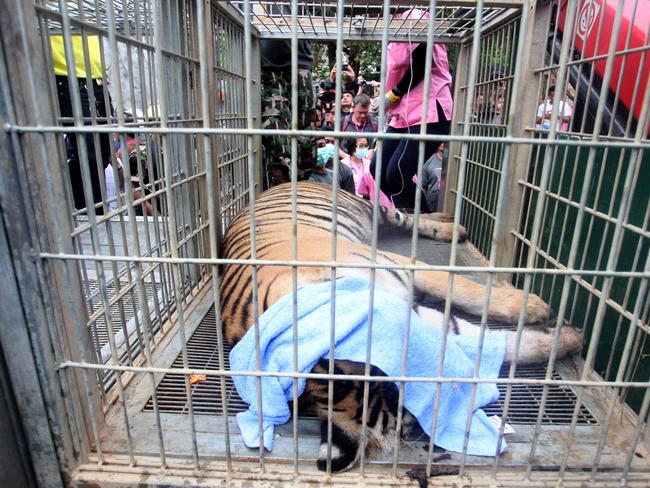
333,74
390,99
349,73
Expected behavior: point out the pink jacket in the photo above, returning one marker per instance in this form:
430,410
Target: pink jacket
408,111
364,183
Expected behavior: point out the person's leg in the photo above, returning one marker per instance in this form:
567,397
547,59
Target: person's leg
73,158
388,148
403,164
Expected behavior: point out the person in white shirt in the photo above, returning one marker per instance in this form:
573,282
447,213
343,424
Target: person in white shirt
543,119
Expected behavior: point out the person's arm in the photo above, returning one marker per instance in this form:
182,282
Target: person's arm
346,178
540,113
414,73
566,112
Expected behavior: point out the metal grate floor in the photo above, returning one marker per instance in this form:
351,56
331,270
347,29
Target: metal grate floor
94,303
206,396
202,353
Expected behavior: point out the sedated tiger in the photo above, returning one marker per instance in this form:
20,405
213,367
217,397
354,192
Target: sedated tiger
273,230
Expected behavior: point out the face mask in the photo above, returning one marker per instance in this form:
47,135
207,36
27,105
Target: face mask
362,152
324,154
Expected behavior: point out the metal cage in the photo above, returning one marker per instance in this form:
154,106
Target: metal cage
111,306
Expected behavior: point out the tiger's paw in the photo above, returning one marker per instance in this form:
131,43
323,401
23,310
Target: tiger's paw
506,306
345,450
444,231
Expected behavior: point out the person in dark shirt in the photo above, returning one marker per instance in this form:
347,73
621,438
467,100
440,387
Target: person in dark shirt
323,172
276,104
359,121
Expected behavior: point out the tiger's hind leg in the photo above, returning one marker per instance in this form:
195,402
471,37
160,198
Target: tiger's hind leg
438,217
535,344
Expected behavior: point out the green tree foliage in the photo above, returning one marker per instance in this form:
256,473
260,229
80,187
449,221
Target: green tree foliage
363,56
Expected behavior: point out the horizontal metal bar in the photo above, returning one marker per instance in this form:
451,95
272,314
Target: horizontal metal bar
355,377
335,264
186,180
632,228
132,42
100,219
628,143
218,69
193,234
476,205
584,284
214,468
480,165
488,82
600,57
330,35
124,289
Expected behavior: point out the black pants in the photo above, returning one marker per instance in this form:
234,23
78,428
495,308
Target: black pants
400,162
73,158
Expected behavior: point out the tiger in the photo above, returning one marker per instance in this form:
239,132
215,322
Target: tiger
273,231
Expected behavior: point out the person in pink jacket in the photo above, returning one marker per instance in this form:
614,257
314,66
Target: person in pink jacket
405,97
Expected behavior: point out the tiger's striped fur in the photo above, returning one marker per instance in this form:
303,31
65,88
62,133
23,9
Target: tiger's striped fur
273,232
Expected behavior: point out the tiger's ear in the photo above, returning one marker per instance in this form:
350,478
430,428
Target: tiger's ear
345,449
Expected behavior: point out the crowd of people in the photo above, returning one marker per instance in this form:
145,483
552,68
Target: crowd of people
127,162
359,107
360,102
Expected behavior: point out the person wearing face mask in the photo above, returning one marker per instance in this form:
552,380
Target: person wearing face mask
359,163
359,121
323,173
356,158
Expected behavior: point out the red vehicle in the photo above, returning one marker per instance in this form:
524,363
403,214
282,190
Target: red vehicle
630,70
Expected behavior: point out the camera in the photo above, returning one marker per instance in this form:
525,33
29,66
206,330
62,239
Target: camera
329,91
345,67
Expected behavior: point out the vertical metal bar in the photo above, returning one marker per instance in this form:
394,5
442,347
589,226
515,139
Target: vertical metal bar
335,177
148,329
625,357
416,217
503,198
251,192
592,70
294,221
375,227
116,280
84,163
171,218
594,219
624,208
213,217
628,292
536,232
474,57
573,186
638,431
99,166
31,78
637,84
520,114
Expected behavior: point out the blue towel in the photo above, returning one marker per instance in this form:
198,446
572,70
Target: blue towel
352,295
